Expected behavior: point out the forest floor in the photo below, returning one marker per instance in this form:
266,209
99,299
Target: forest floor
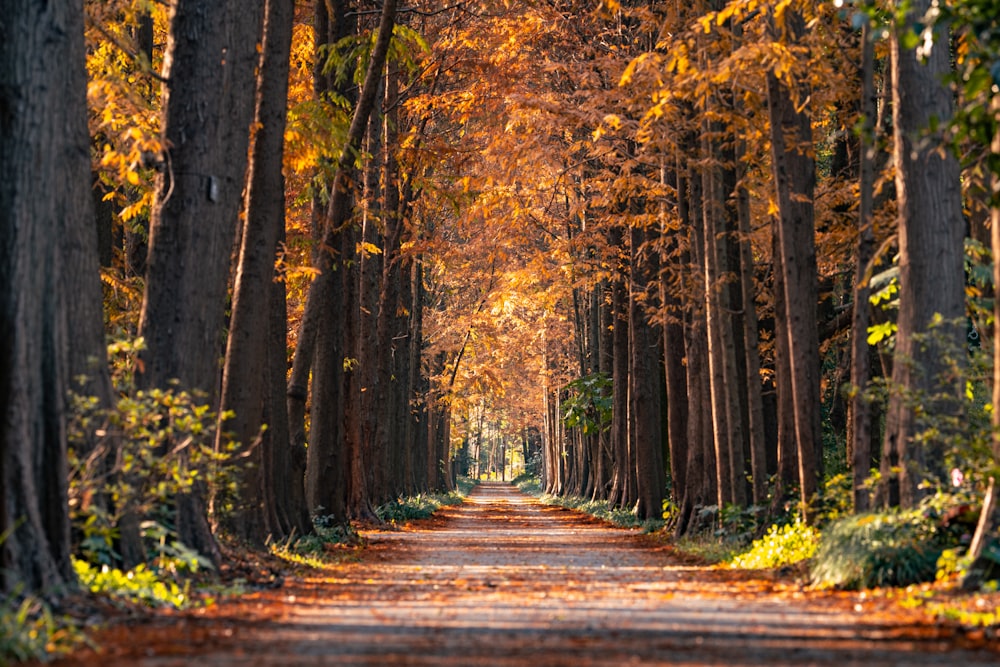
505,580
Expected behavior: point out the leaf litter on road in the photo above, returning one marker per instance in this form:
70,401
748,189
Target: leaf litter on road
505,580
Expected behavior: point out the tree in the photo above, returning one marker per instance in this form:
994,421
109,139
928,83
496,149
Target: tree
48,259
208,103
326,420
930,340
645,410
860,412
794,170
264,506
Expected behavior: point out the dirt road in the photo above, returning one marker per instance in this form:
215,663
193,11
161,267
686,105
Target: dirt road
503,580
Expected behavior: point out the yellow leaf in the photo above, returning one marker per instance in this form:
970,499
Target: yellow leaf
365,248
132,177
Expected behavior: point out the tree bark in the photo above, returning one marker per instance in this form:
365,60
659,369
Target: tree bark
244,391
48,259
795,178
786,454
931,276
338,214
645,380
621,488
860,418
208,105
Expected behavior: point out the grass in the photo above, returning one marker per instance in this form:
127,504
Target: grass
877,550
421,506
706,549
29,630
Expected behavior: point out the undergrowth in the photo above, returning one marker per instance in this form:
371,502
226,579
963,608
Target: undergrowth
705,549
333,542
876,550
421,506
780,546
528,484
29,630
465,485
141,584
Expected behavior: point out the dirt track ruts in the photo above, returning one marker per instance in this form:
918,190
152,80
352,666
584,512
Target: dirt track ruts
504,580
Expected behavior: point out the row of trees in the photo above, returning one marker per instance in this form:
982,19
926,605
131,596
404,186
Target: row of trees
717,194
359,232
191,223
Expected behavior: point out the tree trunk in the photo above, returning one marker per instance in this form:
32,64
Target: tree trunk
49,245
702,481
787,455
338,213
750,344
621,492
795,178
645,384
860,418
208,105
727,415
244,391
931,276
416,386
672,260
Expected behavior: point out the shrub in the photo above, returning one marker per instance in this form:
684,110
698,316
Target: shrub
782,545
421,506
132,459
408,509
30,631
528,484
465,485
138,585
875,550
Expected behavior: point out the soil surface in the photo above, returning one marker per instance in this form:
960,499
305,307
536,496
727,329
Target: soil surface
504,580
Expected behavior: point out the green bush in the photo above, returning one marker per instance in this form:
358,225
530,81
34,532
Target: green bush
133,458
30,631
138,585
465,485
782,545
528,484
421,506
618,516
875,550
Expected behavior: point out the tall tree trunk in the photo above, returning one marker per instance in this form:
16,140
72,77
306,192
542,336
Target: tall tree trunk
329,279
787,455
244,391
371,358
931,276
795,180
416,392
603,456
702,480
983,563
860,418
727,415
208,105
749,343
645,384
325,482
672,261
621,492
49,245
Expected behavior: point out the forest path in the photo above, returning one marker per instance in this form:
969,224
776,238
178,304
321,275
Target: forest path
504,580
